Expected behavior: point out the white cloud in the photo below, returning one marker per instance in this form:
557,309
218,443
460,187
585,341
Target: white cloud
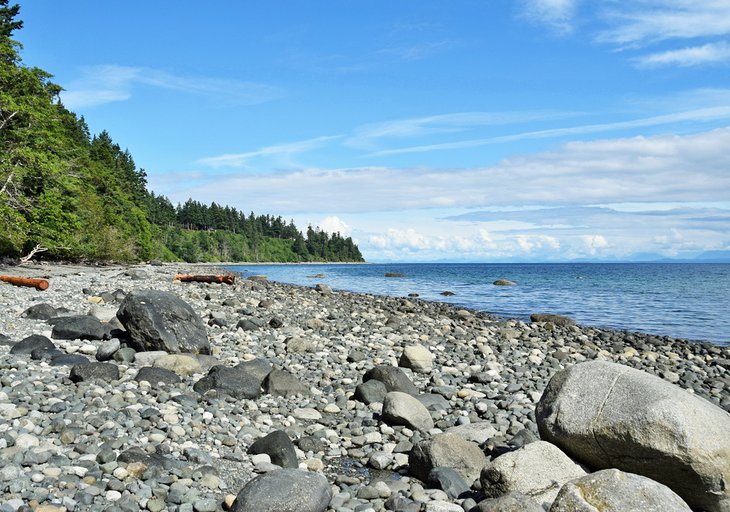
333,224
556,14
107,83
277,150
594,243
646,21
667,168
709,53
696,115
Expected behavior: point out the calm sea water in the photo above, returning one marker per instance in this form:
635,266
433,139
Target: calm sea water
674,299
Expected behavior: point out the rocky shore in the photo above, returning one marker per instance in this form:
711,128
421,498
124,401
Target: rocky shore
122,389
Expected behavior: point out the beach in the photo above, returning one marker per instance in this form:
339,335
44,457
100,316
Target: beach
114,441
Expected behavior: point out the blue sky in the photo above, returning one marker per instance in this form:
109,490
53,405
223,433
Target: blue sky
525,130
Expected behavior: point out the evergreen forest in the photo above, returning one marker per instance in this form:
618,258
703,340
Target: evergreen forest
68,194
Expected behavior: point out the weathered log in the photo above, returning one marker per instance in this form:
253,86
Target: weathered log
39,284
206,279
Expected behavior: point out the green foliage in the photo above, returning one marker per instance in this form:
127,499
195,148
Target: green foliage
79,196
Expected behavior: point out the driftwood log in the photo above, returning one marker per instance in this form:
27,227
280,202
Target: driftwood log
206,279
38,284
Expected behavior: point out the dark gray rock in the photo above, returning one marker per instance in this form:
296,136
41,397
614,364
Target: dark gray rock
434,402
45,353
42,311
31,343
155,375
393,377
370,392
68,360
355,356
250,324
83,327
612,490
560,320
279,447
612,416
258,367
284,490
283,383
94,371
238,382
157,320
448,481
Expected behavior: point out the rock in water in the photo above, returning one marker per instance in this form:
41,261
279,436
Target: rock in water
538,470
612,490
284,490
158,320
450,451
504,282
612,416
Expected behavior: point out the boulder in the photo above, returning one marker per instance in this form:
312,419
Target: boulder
323,289
612,416
158,320
449,451
370,392
448,480
42,311
284,490
236,382
511,502
181,364
283,383
68,359
278,447
156,375
404,409
393,377
612,490
504,282
418,358
82,327
33,342
478,432
94,371
560,320
105,351
538,470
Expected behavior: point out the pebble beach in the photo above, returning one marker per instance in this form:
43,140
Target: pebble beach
302,398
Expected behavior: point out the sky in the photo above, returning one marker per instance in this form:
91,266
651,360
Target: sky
464,130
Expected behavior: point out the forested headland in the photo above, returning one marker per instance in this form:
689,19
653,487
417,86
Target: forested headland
68,194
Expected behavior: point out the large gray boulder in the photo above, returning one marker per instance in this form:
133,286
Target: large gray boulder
612,416
537,470
404,409
612,490
284,490
394,379
158,320
447,451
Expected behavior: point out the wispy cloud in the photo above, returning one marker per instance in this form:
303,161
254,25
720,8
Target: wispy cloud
646,21
558,15
282,151
639,169
416,51
102,84
710,53
697,115
366,136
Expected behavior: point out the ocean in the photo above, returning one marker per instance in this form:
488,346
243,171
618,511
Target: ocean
681,300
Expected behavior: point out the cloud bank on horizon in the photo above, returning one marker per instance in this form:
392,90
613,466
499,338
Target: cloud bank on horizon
545,130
